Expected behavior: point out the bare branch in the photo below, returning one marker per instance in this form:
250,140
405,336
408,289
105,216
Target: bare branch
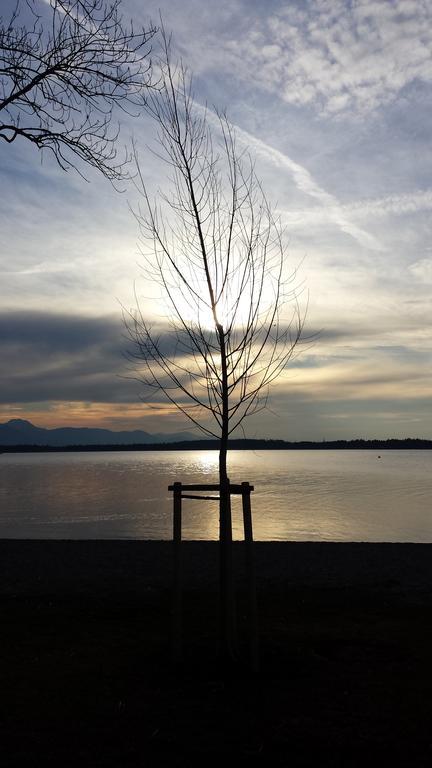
60,82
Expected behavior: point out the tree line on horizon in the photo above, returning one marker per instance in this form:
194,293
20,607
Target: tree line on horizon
392,443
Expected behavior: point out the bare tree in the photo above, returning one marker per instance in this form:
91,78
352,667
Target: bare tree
60,80
214,247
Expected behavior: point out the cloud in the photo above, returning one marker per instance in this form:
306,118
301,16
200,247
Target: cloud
52,357
330,211
49,333
62,357
69,369
336,57
390,205
377,375
295,416
422,270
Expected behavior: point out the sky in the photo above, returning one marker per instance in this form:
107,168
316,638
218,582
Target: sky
334,101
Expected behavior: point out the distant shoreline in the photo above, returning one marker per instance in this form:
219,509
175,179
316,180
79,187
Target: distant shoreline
243,445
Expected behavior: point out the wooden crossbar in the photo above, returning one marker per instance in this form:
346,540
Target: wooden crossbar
233,488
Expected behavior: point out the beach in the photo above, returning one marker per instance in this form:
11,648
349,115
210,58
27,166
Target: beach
87,678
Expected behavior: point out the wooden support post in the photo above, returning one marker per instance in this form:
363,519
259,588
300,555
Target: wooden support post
250,575
177,586
228,606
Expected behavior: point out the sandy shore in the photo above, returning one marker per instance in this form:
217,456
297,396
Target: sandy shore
86,678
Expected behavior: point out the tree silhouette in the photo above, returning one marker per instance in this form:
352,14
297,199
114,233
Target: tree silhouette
216,250
60,80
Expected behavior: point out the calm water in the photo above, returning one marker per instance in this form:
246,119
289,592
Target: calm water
300,495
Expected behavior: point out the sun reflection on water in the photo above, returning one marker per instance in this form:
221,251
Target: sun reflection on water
207,462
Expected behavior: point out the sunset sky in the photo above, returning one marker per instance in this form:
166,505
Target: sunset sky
334,100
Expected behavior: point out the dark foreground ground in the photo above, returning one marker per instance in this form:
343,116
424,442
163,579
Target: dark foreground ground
86,677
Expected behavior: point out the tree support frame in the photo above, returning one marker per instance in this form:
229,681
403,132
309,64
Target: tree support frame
181,491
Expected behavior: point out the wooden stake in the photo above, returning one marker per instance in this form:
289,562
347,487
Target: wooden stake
250,575
177,587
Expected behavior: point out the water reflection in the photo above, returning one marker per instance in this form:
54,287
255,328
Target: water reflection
206,462
299,495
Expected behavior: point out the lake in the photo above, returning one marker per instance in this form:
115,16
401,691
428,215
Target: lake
311,495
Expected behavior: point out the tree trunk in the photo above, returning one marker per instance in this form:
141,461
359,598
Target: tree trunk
228,628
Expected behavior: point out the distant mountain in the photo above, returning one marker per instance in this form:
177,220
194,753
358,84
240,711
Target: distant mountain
21,432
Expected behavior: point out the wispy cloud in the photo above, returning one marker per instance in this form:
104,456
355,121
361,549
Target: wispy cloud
341,58
331,210
371,208
422,270
391,205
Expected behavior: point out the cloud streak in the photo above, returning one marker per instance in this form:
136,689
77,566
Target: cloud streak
331,210
367,209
